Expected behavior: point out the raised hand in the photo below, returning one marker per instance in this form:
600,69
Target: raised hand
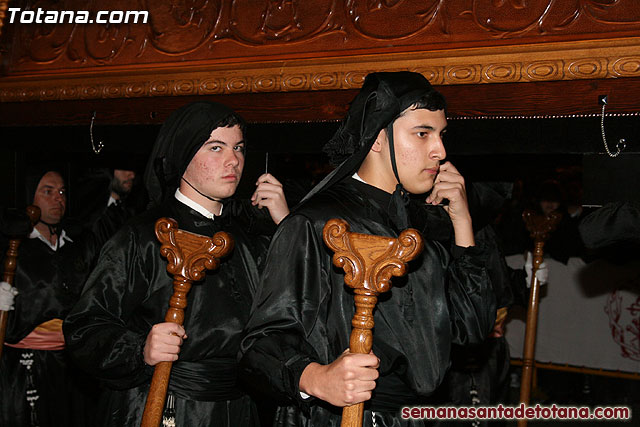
269,194
449,184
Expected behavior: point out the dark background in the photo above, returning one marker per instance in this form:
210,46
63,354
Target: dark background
483,150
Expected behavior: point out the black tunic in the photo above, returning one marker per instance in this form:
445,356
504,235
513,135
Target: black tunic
49,283
129,292
303,311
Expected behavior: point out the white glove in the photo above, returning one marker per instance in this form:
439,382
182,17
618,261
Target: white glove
7,293
542,274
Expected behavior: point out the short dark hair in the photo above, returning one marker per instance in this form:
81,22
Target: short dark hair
432,101
232,120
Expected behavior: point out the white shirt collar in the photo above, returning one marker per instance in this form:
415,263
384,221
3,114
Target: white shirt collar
35,234
196,206
111,201
358,178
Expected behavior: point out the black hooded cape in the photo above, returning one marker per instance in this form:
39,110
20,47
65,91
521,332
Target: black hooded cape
129,292
303,310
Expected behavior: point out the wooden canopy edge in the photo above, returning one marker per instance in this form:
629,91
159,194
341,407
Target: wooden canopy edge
507,100
543,62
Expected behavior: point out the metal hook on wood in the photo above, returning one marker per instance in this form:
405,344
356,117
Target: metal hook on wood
622,143
100,146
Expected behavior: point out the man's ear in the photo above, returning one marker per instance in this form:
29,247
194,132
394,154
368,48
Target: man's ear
381,139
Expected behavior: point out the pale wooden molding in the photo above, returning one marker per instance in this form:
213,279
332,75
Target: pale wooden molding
599,59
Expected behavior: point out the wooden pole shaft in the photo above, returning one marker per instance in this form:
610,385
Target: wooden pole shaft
10,266
10,263
188,256
361,341
531,330
154,406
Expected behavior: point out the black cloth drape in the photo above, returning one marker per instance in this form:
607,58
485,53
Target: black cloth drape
303,310
129,292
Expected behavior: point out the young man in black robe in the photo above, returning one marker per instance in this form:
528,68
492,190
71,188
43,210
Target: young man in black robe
117,330
301,323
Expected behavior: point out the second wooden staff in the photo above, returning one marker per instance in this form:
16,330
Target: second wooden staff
540,228
368,262
10,265
188,256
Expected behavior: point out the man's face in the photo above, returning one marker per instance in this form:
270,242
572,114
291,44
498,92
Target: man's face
51,198
548,206
418,149
216,168
122,181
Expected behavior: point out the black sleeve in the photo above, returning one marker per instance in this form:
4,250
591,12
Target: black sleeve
97,330
614,223
276,348
471,297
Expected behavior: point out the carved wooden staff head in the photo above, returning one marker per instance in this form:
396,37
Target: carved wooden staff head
369,261
188,256
540,226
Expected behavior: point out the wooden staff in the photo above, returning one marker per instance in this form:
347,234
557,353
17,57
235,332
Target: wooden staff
10,264
540,227
368,262
188,256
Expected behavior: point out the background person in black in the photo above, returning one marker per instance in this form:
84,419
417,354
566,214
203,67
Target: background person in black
301,322
117,330
107,180
51,271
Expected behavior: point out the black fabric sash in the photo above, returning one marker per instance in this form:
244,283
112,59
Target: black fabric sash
207,380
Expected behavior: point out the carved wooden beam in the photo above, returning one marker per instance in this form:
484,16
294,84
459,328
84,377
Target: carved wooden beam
593,59
545,99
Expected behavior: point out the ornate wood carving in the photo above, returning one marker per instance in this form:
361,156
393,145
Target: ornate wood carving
189,256
244,30
540,228
570,61
242,46
368,262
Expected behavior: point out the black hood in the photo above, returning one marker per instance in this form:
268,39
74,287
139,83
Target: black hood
383,97
180,138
